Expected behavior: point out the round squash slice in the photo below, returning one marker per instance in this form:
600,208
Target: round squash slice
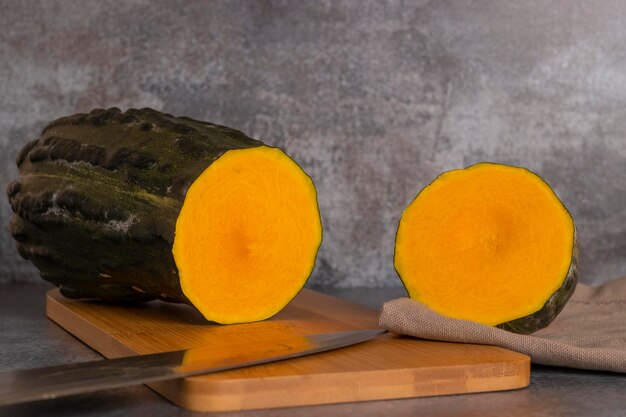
142,205
490,243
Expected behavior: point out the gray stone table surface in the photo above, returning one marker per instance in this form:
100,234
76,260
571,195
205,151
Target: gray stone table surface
28,339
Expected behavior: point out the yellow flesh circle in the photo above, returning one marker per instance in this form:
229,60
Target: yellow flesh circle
247,235
489,243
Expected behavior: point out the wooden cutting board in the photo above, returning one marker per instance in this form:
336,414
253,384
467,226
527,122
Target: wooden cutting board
388,367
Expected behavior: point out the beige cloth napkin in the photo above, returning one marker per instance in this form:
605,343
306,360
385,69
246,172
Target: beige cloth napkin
590,332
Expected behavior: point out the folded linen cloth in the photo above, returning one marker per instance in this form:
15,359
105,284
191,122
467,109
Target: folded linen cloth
590,332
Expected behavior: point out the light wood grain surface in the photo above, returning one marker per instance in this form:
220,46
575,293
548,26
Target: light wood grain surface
388,367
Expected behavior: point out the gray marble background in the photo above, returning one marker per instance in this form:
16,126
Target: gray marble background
372,98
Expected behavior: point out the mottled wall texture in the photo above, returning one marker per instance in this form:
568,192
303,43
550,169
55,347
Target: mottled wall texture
373,98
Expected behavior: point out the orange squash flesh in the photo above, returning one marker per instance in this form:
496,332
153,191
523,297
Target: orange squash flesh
247,235
490,243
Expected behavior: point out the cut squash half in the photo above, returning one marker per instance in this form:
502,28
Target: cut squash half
247,235
143,205
490,243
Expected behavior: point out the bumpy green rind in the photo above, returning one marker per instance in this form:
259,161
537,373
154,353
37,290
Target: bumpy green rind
98,196
552,307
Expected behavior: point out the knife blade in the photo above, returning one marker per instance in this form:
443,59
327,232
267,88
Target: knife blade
64,380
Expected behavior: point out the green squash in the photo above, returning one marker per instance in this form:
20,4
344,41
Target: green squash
104,199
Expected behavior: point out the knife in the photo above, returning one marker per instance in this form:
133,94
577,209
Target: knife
64,380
